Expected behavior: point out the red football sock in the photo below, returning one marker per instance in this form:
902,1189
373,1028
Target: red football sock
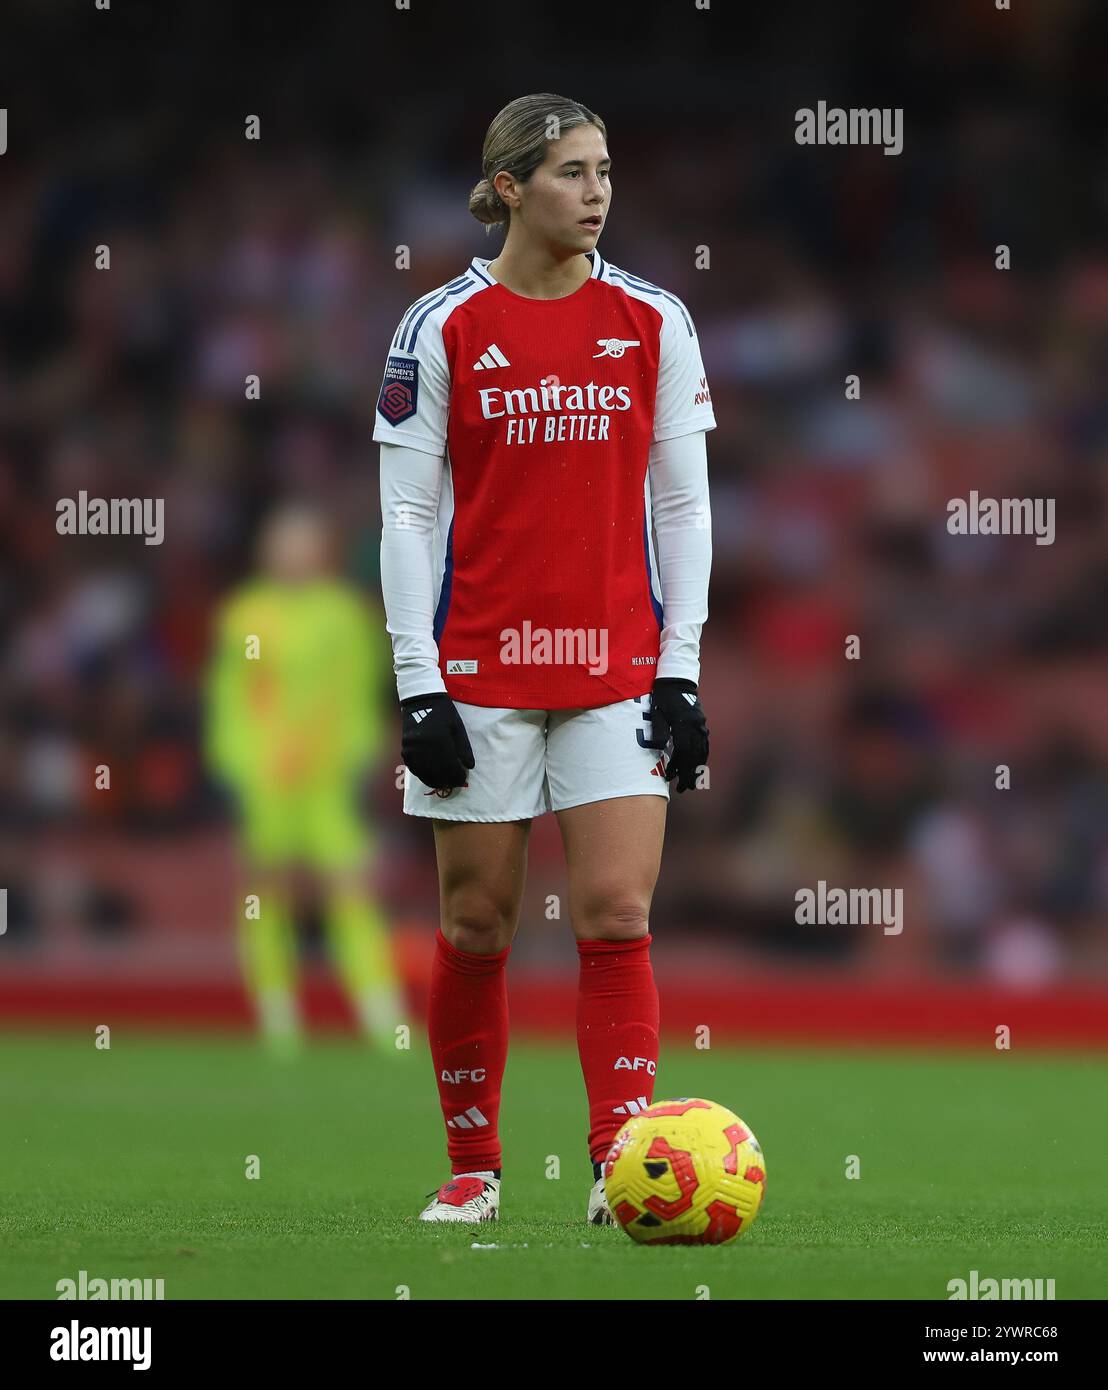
467,1023
617,1034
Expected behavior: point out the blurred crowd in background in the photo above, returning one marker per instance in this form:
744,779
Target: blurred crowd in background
976,653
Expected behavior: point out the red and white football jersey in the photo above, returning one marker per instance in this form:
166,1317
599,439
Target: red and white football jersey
544,412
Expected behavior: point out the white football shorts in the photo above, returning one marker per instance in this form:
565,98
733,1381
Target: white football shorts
530,761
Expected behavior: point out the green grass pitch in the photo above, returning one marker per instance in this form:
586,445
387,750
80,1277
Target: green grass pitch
131,1163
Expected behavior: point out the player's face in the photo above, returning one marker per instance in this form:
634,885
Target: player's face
296,549
565,202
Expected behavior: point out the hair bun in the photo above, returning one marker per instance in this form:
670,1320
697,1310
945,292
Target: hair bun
485,204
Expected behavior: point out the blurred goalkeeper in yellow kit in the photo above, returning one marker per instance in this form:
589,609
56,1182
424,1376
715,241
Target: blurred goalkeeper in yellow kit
293,723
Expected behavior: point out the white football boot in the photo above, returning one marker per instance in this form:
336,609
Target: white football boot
465,1197
600,1213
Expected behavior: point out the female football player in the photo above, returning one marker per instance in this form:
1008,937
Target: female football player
544,559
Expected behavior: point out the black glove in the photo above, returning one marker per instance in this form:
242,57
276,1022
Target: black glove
675,712
434,743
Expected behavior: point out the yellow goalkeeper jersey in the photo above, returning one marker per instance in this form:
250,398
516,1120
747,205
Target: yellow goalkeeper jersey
296,686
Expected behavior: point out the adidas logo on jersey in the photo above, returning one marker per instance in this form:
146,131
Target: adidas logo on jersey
491,357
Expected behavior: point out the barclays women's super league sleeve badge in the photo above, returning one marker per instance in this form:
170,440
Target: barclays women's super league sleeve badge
399,390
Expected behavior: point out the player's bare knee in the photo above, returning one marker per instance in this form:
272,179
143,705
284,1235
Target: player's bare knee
475,921
613,921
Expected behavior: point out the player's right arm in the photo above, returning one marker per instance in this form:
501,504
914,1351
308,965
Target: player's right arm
412,412
229,725
410,486
410,426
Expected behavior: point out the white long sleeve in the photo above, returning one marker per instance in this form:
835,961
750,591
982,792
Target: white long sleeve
678,470
411,483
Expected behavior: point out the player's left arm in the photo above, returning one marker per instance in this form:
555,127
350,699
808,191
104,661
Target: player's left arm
678,468
683,537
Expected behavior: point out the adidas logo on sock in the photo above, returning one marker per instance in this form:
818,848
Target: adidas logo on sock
419,715
471,1119
631,1107
491,357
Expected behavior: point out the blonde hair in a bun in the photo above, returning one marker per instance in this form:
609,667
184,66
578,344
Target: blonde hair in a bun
517,141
